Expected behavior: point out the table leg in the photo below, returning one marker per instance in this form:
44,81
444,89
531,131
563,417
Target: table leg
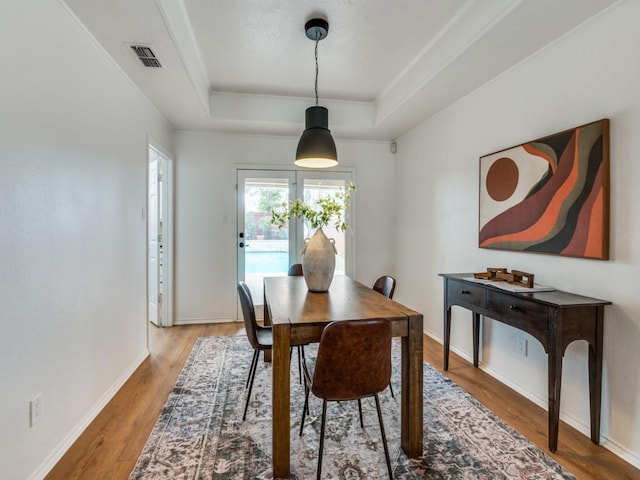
555,380
267,322
595,376
281,439
447,335
476,337
411,408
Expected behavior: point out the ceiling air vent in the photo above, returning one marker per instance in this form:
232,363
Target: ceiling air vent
146,56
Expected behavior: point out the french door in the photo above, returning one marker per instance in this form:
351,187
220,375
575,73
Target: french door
265,250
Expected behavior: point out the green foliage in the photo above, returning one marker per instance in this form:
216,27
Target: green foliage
265,226
326,209
269,199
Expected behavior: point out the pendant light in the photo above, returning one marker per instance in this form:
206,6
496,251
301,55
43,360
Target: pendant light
316,148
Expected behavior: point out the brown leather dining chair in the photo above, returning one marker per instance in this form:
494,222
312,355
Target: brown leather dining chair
260,338
295,270
353,362
386,285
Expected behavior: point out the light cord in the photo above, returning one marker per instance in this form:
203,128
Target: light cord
317,40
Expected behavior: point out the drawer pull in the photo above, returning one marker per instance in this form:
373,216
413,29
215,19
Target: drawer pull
465,292
513,307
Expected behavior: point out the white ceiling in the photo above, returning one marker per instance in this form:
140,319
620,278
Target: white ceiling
246,65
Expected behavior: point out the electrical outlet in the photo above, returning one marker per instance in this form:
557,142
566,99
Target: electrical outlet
35,410
521,345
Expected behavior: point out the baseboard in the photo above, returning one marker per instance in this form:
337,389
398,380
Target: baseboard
202,320
622,452
54,457
579,425
583,428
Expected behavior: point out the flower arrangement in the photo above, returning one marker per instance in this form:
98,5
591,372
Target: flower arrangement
326,209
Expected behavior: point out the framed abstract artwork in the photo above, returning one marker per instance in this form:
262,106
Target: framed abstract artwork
549,195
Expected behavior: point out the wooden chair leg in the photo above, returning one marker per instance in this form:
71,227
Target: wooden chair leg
384,438
324,418
391,388
360,411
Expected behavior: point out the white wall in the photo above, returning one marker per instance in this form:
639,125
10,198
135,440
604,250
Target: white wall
205,246
73,152
590,74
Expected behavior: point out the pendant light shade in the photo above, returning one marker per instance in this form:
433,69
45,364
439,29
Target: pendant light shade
316,148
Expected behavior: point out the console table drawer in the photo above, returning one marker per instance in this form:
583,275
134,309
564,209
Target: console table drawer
462,293
529,316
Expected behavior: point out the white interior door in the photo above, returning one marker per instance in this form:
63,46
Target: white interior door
160,240
153,250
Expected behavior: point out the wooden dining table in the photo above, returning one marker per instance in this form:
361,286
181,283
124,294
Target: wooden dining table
299,316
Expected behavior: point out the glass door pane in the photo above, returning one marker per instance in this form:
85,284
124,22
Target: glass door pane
314,185
263,248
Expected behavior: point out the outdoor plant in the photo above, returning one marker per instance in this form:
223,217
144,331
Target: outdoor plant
326,209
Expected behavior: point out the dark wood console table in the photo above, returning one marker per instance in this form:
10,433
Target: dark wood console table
555,318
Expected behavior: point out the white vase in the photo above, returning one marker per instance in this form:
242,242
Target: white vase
319,261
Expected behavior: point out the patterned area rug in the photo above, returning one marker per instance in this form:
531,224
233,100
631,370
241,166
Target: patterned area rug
200,433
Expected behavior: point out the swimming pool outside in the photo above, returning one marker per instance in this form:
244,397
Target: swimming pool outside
266,262
272,256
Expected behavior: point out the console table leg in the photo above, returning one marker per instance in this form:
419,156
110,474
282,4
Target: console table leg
595,377
447,336
476,337
555,380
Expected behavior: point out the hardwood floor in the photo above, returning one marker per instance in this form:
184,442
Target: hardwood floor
110,446
575,450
